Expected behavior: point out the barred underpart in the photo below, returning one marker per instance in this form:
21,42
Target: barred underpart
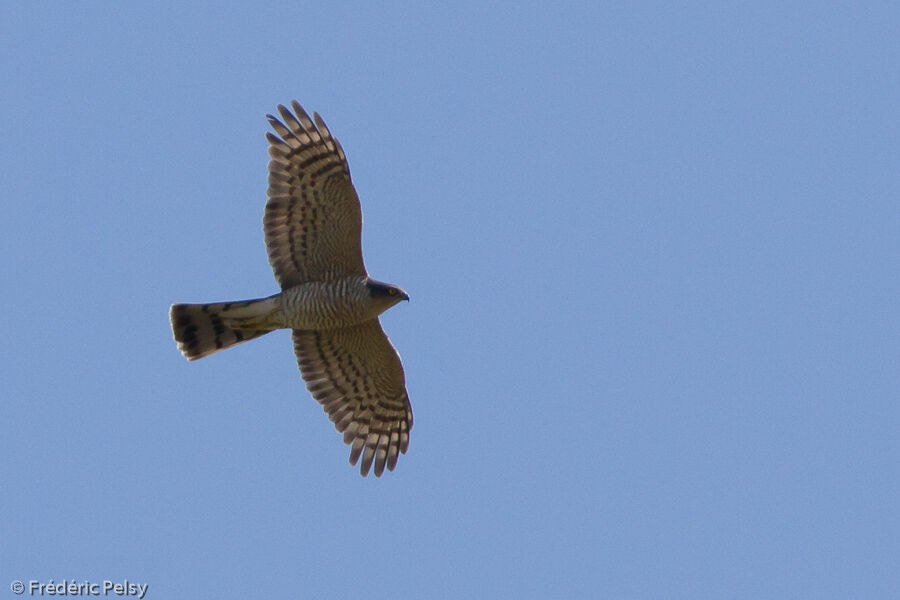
326,305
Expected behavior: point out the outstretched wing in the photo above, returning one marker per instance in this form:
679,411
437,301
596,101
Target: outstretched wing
312,222
356,375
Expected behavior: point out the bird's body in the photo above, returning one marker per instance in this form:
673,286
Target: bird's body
312,226
328,305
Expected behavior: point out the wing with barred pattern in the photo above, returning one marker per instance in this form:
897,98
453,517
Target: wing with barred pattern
356,375
313,221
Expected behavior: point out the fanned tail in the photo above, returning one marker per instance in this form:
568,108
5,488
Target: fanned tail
202,329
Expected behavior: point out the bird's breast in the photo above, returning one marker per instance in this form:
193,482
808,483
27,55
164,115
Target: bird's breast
325,305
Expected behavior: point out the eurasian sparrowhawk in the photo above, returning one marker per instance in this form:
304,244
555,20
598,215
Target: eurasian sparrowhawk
313,226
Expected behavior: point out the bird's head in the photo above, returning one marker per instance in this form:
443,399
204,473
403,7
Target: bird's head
385,295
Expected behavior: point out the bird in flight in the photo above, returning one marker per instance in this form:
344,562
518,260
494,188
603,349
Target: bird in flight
313,227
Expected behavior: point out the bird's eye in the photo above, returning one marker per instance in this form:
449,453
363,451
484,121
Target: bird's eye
392,292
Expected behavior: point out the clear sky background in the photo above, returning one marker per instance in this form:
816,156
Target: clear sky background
653,346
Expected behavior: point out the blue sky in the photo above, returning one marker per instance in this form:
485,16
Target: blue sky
653,346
